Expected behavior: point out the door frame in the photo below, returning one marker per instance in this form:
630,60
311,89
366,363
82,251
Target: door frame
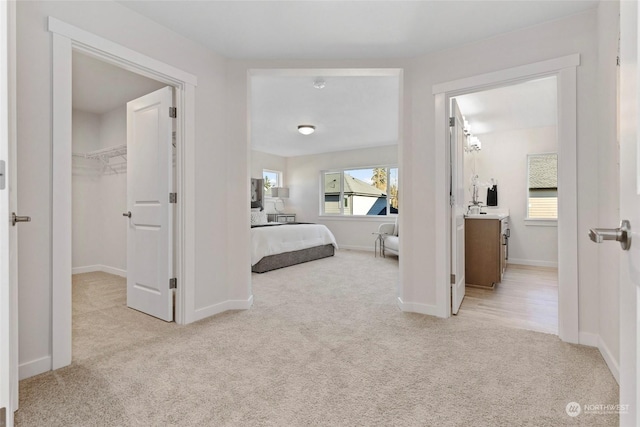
66,40
8,245
564,69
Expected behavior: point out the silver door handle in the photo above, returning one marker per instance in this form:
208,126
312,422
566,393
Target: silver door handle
621,234
15,218
127,214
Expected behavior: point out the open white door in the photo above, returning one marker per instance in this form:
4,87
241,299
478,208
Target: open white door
457,141
629,210
149,182
8,244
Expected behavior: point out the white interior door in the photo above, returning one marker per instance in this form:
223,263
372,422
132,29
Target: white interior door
630,210
457,140
8,242
149,182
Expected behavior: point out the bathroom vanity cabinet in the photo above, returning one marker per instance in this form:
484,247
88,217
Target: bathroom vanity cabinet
486,250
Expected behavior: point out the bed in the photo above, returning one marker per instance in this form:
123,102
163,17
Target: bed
275,245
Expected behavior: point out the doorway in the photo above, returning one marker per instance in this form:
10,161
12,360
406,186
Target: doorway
349,145
564,69
100,175
66,40
510,187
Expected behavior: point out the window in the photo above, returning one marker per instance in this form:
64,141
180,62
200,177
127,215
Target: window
542,200
360,192
271,179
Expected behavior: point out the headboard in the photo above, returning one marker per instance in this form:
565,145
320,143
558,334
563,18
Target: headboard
257,193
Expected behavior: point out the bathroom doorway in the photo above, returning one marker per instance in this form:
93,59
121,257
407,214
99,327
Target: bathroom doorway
565,70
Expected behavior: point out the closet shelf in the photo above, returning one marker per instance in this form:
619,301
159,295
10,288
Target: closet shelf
112,159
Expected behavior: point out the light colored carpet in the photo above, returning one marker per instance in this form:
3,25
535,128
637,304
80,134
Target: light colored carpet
324,344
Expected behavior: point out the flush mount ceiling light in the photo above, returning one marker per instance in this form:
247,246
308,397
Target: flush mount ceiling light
306,129
319,83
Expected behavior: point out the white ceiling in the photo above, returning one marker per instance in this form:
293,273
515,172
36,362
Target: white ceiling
522,106
346,29
99,87
350,112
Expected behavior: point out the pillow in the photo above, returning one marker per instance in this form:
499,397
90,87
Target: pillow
396,228
258,218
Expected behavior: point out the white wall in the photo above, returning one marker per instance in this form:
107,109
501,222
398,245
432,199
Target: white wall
99,229
213,283
575,34
113,194
304,192
504,158
86,191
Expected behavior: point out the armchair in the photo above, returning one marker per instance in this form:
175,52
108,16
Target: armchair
389,234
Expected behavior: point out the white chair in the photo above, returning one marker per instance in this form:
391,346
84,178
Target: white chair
389,235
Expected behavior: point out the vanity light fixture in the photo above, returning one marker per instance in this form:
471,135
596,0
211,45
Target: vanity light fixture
306,129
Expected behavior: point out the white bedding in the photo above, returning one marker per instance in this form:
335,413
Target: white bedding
274,240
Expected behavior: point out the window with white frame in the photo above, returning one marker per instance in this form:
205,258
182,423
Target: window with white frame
272,179
360,191
542,188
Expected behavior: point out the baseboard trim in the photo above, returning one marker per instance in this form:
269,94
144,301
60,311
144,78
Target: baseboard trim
99,267
415,307
34,367
589,339
532,262
609,360
212,310
356,248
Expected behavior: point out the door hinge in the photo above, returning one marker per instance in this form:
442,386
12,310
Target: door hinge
452,200
453,279
173,197
173,283
173,112
452,121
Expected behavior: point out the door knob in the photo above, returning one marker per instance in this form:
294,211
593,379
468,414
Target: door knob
15,218
621,234
127,214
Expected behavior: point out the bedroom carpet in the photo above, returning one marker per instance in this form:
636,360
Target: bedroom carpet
324,344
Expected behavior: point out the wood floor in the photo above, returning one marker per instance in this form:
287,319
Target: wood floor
527,298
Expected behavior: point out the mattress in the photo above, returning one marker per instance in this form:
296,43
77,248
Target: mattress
285,238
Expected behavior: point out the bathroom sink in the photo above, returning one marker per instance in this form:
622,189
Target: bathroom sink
488,215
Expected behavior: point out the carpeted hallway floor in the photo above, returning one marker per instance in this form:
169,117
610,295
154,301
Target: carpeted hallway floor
324,344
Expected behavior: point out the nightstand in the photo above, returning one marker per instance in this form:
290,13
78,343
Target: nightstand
281,217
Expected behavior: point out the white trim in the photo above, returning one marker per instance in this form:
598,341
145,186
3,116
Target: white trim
532,262
442,210
99,267
34,367
66,39
414,307
375,218
589,339
514,74
356,248
609,359
125,57
203,313
564,69
61,226
538,222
